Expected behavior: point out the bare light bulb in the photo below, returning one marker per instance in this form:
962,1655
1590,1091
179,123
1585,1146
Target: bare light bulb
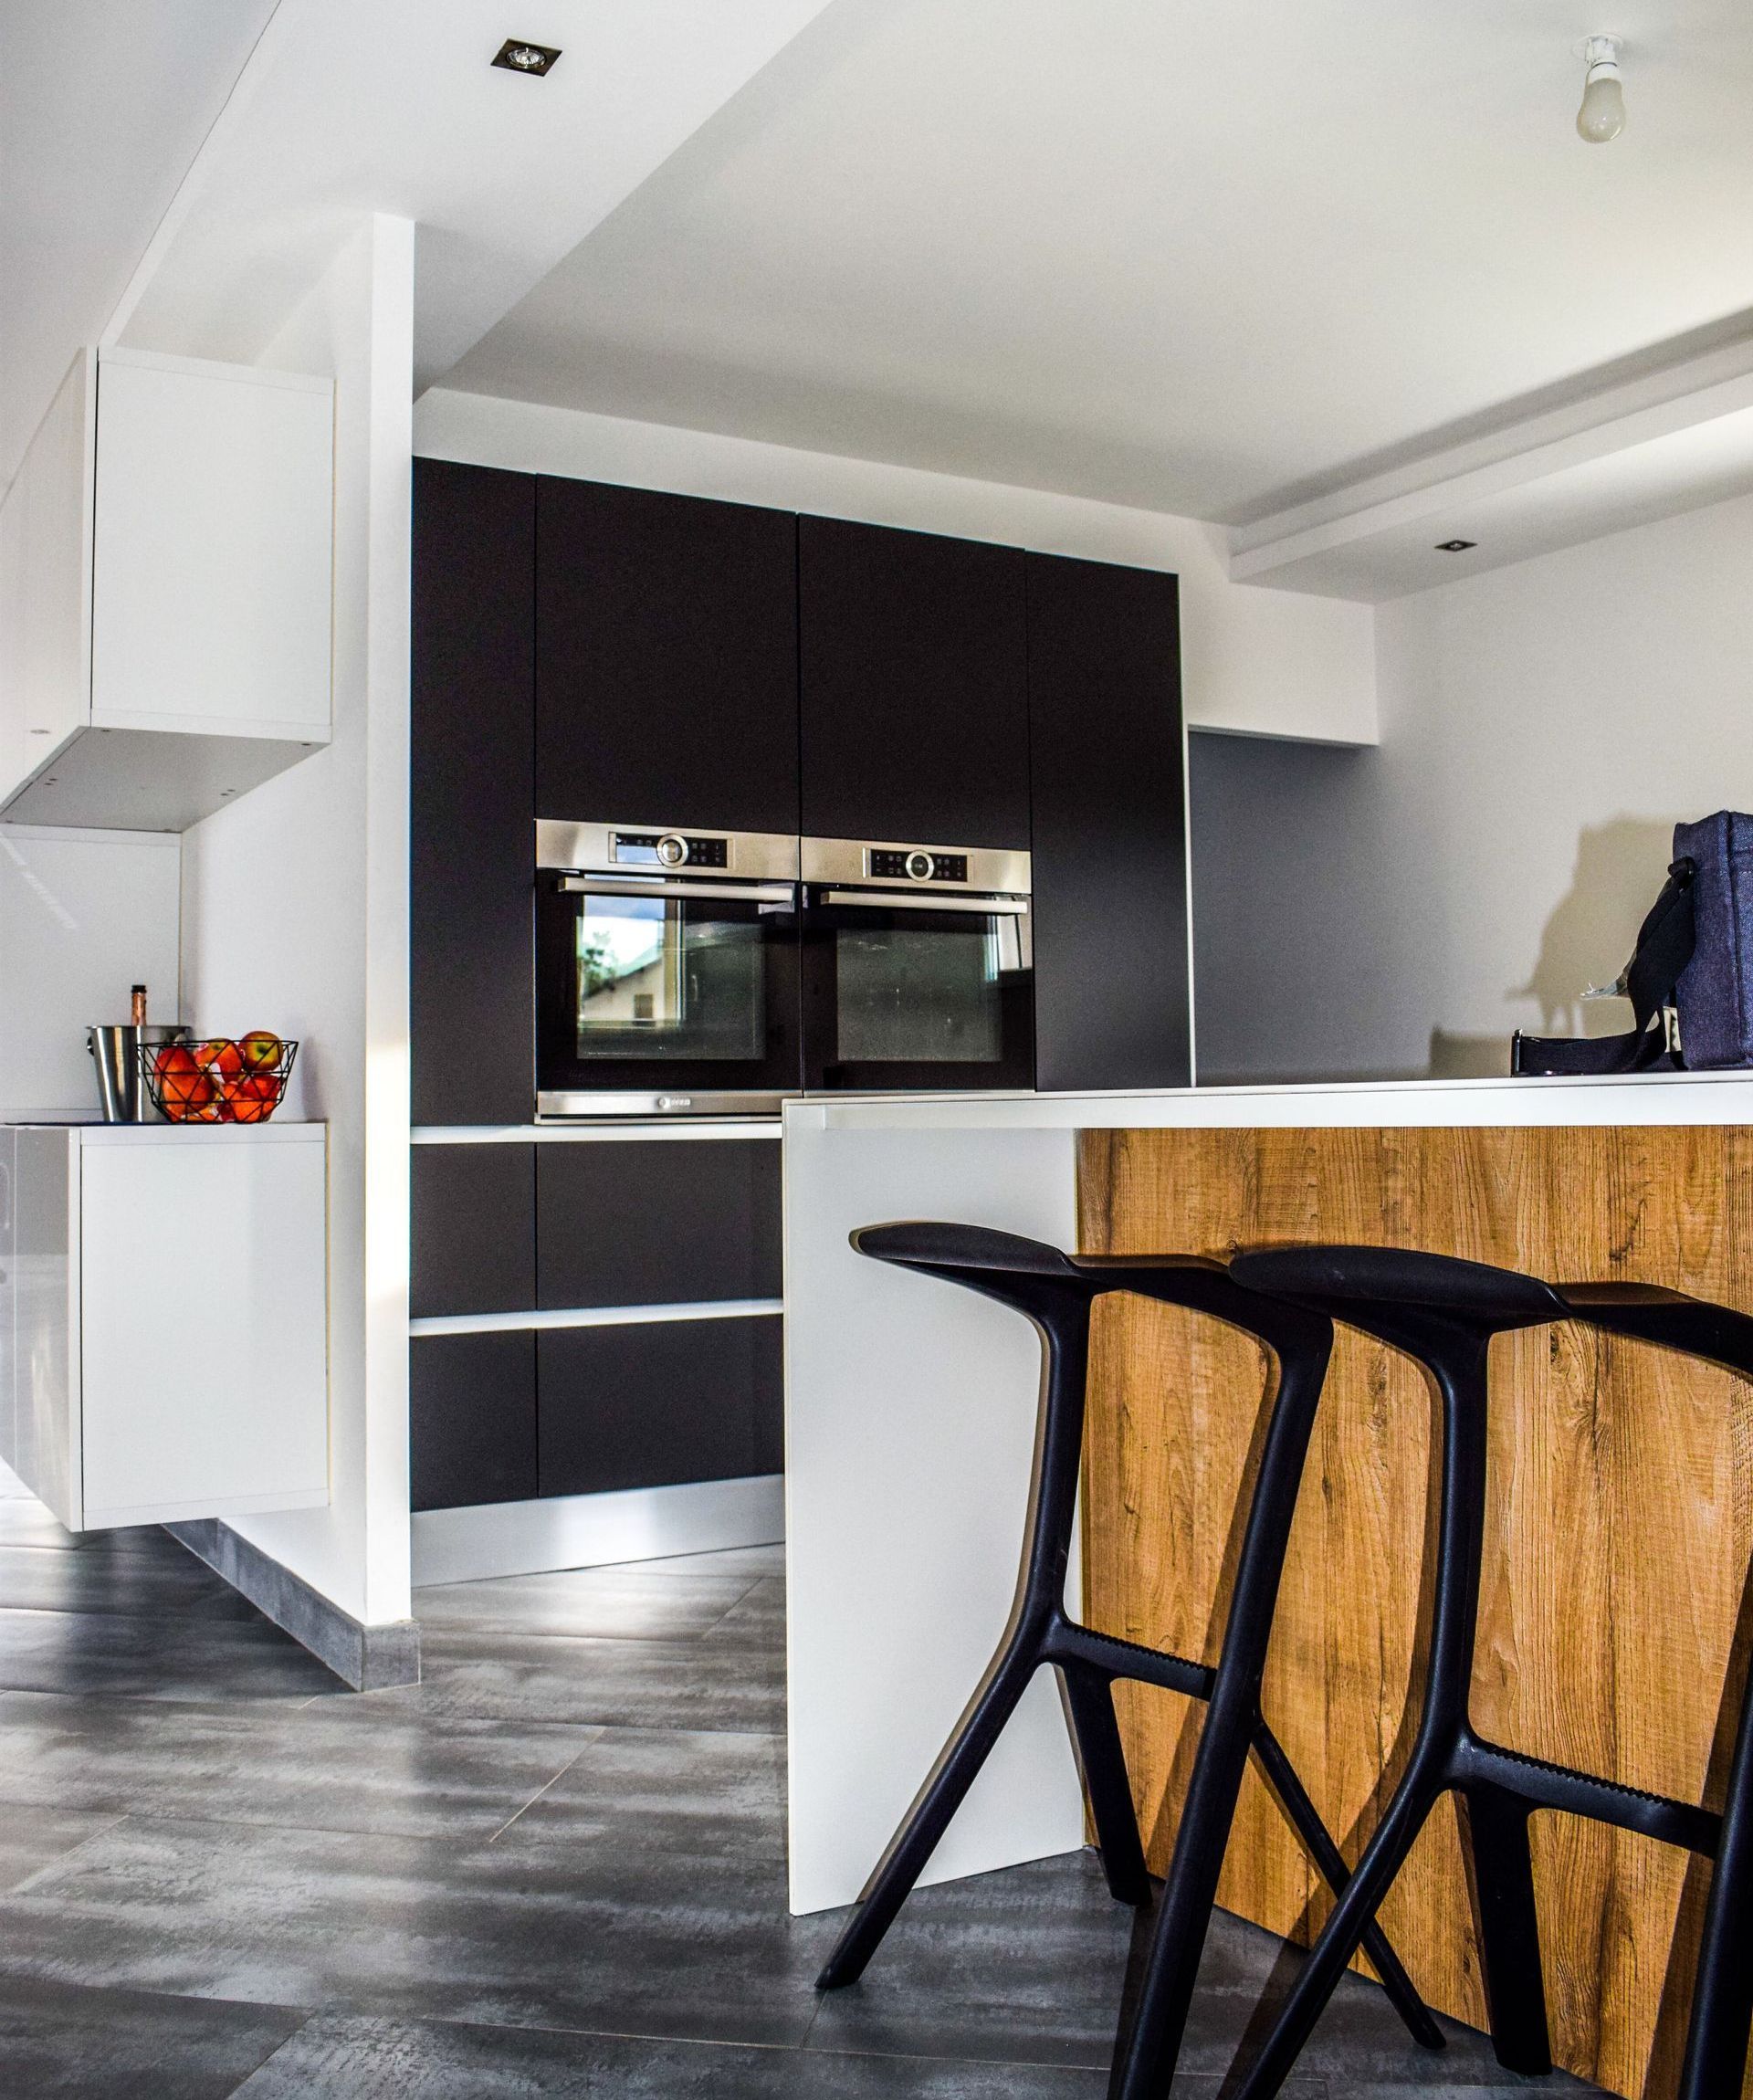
1603,114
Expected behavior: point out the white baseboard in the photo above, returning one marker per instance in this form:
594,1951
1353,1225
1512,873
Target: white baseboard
491,1539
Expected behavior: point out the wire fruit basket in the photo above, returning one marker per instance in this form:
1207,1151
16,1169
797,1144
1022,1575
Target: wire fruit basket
220,1080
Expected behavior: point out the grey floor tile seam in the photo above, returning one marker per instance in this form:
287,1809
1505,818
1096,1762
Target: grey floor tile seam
595,1735
754,1585
60,1859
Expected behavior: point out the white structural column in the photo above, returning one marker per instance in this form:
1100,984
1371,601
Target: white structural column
295,916
910,1426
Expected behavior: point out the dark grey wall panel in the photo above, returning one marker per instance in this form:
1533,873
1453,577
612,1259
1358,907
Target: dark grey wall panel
472,1419
657,1224
653,1405
1111,890
472,811
1306,959
474,1213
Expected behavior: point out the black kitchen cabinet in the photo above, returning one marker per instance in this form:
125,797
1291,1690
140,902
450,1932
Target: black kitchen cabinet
474,1221
1110,834
913,687
472,1419
472,799
666,659
652,1406
656,1222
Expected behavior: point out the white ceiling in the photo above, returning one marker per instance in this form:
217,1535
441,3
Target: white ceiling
1209,259
396,107
103,105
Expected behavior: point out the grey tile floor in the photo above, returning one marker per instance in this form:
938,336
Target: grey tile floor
556,1867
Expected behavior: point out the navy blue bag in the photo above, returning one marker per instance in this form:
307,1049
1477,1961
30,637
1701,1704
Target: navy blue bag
1690,980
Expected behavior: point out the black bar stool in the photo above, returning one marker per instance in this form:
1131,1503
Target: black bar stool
1057,1292
1444,1312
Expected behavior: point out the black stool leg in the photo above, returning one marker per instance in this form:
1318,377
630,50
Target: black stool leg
1329,1862
1232,1723
1090,1697
1458,1361
917,1840
1722,2000
1509,1929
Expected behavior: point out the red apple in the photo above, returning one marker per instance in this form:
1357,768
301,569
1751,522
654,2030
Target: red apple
261,1050
221,1057
253,1099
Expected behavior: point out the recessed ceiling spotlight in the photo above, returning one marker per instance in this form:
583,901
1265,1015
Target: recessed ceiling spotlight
1454,546
518,57
1603,114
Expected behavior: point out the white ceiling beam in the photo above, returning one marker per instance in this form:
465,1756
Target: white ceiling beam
1649,447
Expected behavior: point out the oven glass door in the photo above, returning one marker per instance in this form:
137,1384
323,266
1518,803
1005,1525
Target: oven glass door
666,985
907,992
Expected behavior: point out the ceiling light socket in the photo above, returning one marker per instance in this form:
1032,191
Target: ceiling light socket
1601,117
1454,546
518,55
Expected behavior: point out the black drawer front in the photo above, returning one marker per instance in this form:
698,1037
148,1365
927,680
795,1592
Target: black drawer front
655,1404
657,1224
472,1419
473,1229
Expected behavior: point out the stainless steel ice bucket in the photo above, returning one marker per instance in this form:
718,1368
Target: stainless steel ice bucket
123,1096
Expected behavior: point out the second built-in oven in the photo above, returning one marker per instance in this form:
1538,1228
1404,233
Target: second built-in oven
666,970
918,968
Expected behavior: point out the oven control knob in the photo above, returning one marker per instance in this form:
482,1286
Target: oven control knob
920,866
672,851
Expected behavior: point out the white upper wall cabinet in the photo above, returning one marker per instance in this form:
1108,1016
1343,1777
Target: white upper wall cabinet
166,592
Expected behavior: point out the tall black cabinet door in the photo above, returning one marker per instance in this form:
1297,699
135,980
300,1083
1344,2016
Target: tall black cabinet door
472,806
666,659
1110,843
913,687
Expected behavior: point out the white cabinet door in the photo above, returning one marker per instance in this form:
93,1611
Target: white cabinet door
46,1315
203,1291
213,567
45,575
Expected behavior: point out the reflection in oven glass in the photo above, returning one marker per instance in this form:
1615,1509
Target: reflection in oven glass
656,981
915,995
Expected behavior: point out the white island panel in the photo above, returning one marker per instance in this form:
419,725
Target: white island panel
910,1448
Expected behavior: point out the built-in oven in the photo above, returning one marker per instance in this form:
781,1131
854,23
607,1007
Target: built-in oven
918,968
666,970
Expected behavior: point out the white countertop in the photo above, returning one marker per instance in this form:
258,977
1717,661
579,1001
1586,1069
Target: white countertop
1611,1097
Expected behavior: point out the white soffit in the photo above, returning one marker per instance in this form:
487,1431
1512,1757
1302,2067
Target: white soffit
396,107
1673,442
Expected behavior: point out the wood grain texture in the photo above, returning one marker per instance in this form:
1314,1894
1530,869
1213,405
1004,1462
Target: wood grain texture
1614,1616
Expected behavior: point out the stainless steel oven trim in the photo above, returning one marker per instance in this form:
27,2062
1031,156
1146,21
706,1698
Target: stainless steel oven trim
848,860
900,900
582,848
669,1105
783,893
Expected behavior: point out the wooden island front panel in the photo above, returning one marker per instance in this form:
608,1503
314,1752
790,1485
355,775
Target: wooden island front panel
1614,1616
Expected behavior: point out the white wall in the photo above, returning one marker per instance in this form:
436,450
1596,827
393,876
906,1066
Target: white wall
1254,662
83,916
1543,729
295,918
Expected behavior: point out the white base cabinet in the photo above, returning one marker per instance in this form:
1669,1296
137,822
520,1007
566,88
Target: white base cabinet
163,1326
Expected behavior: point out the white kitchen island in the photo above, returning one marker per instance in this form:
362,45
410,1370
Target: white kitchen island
910,1422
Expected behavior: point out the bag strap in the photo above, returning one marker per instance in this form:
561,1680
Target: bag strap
1664,946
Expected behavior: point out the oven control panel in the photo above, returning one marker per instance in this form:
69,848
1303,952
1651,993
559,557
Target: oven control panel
669,849
899,865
